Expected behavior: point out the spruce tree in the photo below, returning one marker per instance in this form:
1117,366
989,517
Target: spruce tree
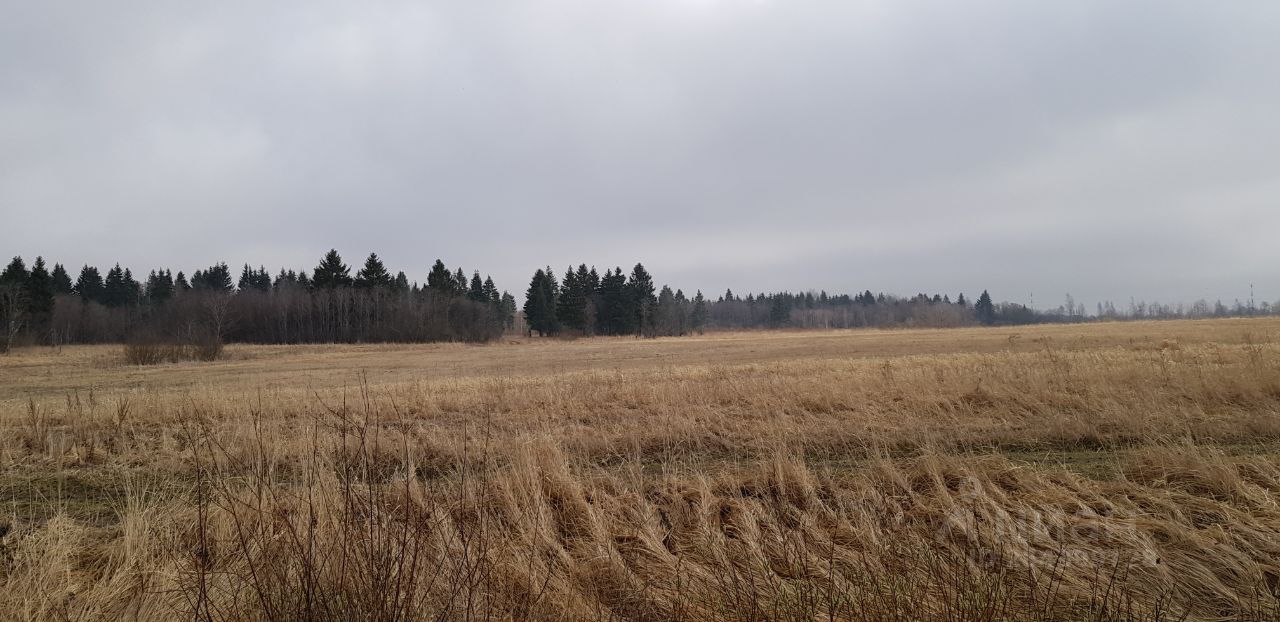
460,282
508,310
984,310
331,272
491,292
440,281
159,287
640,299
538,309
180,283
15,274
115,291
373,274
571,308
89,285
246,278
613,315
39,298
698,318
401,284
61,280
476,291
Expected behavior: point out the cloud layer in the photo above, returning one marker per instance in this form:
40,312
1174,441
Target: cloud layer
1104,149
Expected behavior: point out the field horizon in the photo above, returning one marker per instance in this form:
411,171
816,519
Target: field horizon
1095,471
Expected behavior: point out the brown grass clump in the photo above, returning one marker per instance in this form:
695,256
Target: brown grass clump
1101,474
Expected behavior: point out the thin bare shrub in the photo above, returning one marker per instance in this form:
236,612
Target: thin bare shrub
151,350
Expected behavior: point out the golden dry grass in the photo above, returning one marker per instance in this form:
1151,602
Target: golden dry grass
1102,471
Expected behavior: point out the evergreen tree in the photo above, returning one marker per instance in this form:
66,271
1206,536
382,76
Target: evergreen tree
373,274
180,283
507,307
779,311
61,280
159,287
613,312
698,319
491,294
285,279
216,278
984,309
571,308
401,284
440,281
540,303
331,272
460,282
15,274
89,285
115,291
246,278
960,300
476,291
132,289
39,297
640,298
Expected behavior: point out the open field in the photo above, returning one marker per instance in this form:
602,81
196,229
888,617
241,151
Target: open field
1101,471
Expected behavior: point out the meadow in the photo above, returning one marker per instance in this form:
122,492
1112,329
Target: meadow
1103,471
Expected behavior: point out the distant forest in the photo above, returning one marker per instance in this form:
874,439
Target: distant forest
42,305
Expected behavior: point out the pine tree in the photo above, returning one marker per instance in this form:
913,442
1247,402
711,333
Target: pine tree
984,310
373,274
61,280
698,319
331,272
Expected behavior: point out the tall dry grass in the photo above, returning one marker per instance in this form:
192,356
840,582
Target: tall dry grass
1110,481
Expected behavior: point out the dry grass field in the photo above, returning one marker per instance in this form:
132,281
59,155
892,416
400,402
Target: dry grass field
1126,471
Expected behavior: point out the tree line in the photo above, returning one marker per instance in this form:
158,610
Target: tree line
324,305
583,302
329,304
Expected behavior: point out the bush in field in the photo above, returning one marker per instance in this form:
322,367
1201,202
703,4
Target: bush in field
150,349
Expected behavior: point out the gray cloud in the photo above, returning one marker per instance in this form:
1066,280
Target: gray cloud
1104,149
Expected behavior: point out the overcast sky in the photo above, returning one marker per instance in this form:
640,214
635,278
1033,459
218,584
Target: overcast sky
1106,149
